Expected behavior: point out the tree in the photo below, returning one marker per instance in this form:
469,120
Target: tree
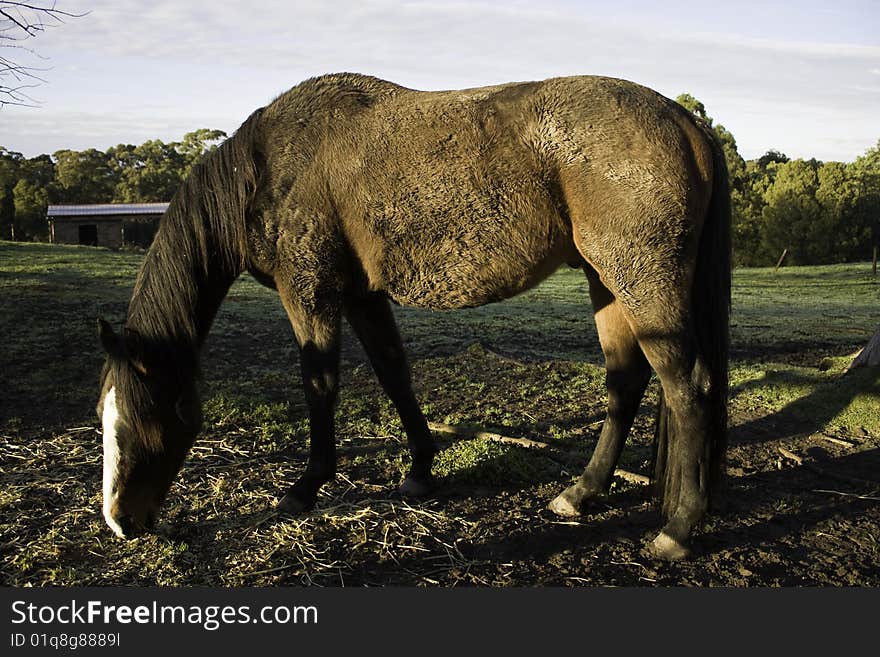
150,172
770,157
20,22
84,177
864,173
31,201
748,211
842,197
154,170
793,218
197,144
10,162
31,197
694,106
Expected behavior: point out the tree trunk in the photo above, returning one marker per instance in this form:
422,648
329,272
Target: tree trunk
870,355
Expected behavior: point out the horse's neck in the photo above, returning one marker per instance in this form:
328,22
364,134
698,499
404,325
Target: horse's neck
179,289
199,249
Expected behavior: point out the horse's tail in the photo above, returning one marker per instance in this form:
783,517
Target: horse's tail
710,311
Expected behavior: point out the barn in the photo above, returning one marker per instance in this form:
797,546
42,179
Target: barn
109,224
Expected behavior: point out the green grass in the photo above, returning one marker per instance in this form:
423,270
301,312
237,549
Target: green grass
528,367
834,307
809,397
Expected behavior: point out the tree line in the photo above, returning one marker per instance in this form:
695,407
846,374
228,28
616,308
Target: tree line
820,212
125,173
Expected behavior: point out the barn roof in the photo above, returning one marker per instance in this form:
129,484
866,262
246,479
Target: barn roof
106,209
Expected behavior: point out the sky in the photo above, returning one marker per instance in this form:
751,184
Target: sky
802,78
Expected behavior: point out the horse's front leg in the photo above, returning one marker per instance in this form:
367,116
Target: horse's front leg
373,322
317,333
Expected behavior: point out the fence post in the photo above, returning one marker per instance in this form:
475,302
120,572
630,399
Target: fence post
781,258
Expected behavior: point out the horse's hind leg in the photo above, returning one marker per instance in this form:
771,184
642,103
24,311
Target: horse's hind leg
626,377
317,334
684,476
373,322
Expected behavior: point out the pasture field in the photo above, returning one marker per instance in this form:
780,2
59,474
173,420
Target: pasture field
529,368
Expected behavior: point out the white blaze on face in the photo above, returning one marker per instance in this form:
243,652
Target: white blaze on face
110,421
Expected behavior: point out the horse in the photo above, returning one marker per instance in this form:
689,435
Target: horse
348,193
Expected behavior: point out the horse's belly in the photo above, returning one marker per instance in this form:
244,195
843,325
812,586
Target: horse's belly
441,283
458,240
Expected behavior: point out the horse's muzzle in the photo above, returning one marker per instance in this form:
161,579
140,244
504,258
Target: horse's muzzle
125,525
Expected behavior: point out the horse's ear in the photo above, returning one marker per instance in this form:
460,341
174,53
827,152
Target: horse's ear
135,350
109,339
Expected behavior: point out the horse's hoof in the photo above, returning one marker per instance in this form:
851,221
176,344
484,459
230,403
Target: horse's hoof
291,503
566,504
417,487
667,548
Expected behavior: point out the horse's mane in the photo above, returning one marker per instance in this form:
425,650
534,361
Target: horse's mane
199,248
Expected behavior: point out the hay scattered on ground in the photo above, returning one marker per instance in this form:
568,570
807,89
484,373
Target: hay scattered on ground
50,506
327,545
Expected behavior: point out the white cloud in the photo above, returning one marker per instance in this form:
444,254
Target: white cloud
50,131
197,58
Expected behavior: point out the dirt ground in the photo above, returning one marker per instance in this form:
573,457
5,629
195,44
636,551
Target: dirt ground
803,464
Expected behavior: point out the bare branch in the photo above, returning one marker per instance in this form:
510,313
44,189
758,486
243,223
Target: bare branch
825,473
20,21
15,96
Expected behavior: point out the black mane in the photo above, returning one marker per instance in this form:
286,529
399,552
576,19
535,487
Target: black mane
199,250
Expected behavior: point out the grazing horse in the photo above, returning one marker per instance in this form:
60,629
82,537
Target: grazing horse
347,192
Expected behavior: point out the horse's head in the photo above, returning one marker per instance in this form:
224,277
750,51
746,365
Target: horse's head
150,415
